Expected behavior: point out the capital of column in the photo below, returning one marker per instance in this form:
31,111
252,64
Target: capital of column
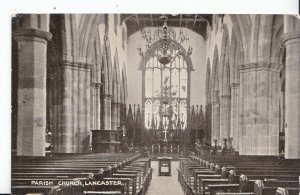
106,96
215,103
289,38
22,33
225,96
255,66
234,85
96,84
76,65
116,104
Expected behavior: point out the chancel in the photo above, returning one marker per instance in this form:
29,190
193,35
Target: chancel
105,98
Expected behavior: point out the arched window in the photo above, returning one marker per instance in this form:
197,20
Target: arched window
166,92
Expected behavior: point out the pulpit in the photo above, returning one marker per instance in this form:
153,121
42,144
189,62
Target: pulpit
106,141
164,166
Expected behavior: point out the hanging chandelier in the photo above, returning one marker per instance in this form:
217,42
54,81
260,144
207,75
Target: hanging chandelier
167,40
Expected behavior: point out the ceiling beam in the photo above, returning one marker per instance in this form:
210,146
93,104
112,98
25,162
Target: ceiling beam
180,20
151,16
170,19
137,19
195,20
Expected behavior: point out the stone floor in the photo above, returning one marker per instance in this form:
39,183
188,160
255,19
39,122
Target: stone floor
164,185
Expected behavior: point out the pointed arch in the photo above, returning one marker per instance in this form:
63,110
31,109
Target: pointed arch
106,67
215,70
157,44
276,41
124,84
235,56
224,64
242,25
95,56
88,26
65,29
116,78
265,39
208,83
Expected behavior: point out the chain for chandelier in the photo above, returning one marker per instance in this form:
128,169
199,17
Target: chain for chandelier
166,38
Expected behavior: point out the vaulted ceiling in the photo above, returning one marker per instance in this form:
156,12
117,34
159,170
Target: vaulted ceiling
195,22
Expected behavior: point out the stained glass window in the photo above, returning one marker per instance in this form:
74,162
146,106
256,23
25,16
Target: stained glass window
166,93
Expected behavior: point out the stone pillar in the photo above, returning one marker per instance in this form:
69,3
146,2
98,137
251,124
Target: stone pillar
87,135
66,128
259,110
292,96
215,117
81,108
118,109
107,111
75,105
96,106
32,55
225,116
113,116
234,124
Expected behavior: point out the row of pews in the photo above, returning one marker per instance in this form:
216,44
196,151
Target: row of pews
239,175
101,174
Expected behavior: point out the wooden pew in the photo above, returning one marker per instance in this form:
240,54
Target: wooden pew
84,167
254,170
213,189
102,193
237,193
264,187
206,182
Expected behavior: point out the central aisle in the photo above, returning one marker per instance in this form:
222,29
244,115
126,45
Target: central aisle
164,185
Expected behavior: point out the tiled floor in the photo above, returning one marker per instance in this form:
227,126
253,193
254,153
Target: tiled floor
164,185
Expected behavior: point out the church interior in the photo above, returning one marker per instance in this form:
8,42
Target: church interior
212,99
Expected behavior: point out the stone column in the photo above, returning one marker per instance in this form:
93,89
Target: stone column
225,116
107,111
81,108
93,106
66,128
292,95
215,117
75,104
32,55
87,135
96,106
259,110
118,109
113,116
234,124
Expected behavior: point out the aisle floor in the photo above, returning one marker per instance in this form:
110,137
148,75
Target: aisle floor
164,185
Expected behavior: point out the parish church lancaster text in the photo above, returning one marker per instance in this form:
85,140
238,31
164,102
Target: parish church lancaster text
156,83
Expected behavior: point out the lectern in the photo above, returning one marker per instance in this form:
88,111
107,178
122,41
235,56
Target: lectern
164,166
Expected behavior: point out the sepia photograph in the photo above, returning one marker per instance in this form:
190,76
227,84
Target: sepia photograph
155,104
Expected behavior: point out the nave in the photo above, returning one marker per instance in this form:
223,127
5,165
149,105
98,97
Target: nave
101,96
162,185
